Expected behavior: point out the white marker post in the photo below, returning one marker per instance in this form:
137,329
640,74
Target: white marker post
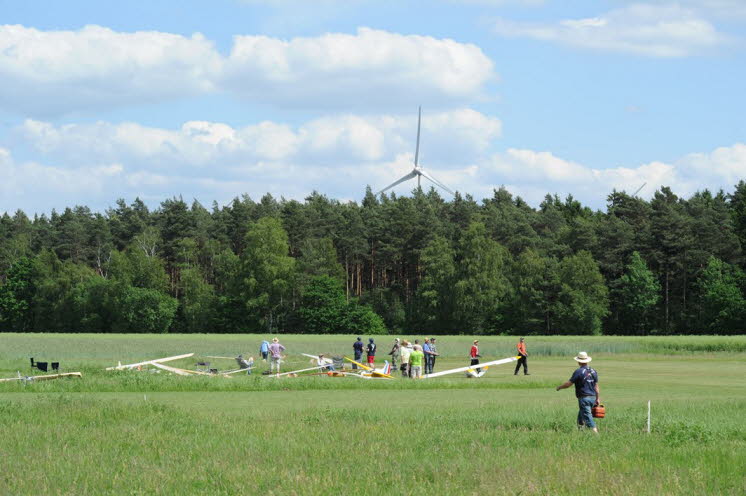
648,416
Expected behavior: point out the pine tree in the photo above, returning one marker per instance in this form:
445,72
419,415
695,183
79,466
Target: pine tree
723,301
267,272
583,298
434,301
481,287
639,292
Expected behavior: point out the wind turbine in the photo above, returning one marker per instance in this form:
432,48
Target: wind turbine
418,171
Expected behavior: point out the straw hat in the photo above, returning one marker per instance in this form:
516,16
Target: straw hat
275,340
583,357
476,341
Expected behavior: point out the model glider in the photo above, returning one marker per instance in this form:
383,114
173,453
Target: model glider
243,364
184,372
364,367
319,359
382,373
149,362
236,371
472,368
371,373
473,374
298,371
177,371
42,377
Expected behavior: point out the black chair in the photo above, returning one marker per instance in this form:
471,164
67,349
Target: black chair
44,366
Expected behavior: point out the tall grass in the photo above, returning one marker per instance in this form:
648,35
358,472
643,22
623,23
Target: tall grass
394,442
138,432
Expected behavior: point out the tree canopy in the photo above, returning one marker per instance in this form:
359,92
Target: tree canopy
415,263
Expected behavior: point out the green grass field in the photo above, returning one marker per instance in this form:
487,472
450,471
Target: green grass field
147,433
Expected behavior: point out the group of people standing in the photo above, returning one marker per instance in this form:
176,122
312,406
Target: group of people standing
412,358
358,348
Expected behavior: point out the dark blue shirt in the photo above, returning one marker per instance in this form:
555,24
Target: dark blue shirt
585,380
358,347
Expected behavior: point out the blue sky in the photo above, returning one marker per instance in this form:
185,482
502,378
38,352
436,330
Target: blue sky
210,100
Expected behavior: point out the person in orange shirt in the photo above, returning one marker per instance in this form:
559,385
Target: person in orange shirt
524,357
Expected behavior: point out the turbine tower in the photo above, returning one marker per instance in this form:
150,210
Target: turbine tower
418,171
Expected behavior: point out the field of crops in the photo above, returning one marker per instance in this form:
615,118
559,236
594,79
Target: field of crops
155,433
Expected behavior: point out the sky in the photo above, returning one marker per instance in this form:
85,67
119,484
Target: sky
101,100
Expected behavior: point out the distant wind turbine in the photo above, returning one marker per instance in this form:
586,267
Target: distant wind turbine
418,171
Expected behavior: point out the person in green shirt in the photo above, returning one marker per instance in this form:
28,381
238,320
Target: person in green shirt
415,361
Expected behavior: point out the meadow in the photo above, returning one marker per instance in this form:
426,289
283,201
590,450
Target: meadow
147,433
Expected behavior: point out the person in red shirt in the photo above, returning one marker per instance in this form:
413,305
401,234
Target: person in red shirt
474,354
524,357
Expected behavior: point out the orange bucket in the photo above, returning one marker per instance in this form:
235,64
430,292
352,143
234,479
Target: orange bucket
598,411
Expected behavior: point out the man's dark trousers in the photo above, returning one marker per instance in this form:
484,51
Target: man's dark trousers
522,361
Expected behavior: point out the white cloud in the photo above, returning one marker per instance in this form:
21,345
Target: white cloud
338,155
52,72
725,9
534,174
214,161
726,163
328,140
45,72
640,29
37,187
371,64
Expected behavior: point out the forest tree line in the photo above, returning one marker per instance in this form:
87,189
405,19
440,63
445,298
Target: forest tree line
389,263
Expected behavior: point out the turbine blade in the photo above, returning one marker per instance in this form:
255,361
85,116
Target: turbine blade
417,149
405,178
436,182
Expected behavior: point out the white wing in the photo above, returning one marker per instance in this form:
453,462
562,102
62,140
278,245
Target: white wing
296,371
150,362
175,370
470,367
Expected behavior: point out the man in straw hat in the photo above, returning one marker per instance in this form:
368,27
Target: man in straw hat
586,390
275,351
